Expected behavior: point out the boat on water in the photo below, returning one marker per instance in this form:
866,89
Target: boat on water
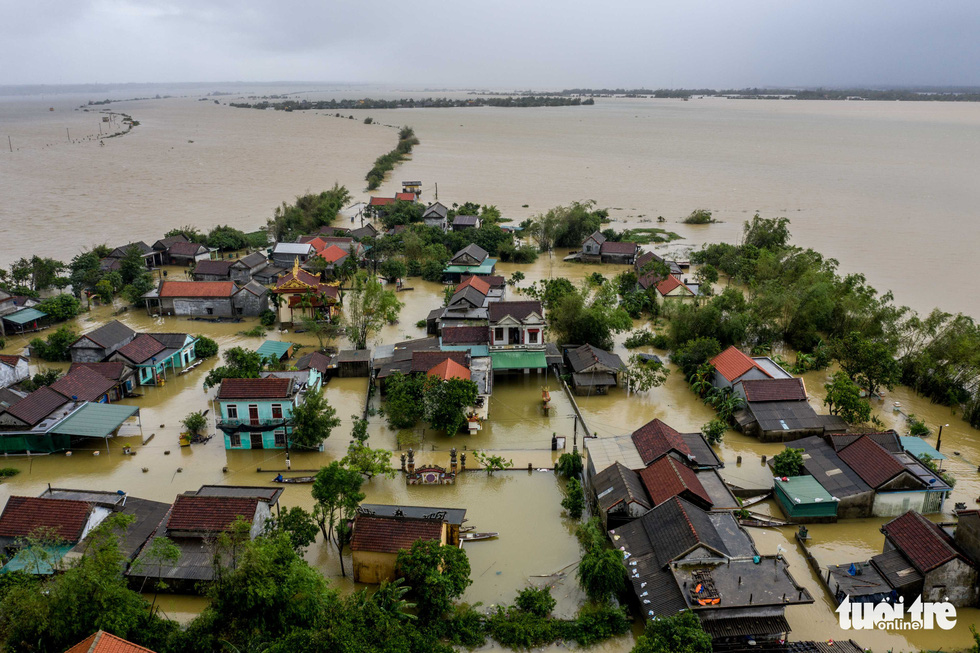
293,479
472,537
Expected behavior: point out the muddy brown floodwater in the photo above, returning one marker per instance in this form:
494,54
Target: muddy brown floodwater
535,538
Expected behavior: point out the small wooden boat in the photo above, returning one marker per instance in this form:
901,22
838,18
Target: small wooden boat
293,479
466,529
472,537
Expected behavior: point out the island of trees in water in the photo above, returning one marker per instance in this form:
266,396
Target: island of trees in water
521,101
917,94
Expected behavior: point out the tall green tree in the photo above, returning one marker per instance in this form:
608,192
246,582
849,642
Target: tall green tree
337,491
367,308
589,315
446,402
678,633
601,572
313,420
437,574
844,399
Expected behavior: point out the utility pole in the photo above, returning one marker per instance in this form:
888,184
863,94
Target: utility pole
939,438
9,144
437,191
69,134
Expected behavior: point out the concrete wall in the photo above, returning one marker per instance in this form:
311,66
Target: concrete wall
856,506
372,567
211,277
956,580
893,504
220,306
967,534
12,375
241,276
249,304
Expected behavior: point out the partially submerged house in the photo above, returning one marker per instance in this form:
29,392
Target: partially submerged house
216,270
194,524
97,345
596,248
186,253
151,257
255,413
84,384
13,369
464,222
246,268
284,255
854,497
680,557
667,288
594,370
517,336
732,367
151,355
619,495
471,260
656,439
803,500
776,410
57,525
381,531
103,642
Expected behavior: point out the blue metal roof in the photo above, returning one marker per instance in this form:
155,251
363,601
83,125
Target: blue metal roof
918,446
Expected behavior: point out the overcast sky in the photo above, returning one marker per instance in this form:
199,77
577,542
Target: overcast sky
506,44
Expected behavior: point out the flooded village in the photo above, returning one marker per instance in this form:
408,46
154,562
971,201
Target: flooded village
435,339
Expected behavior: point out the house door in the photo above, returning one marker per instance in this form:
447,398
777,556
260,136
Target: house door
253,415
513,336
256,441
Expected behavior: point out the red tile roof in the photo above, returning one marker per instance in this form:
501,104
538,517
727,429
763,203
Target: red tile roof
24,515
871,461
12,361
36,406
924,543
474,282
423,361
209,514
381,201
198,289
112,370
392,534
667,478
732,364
466,335
302,276
670,283
405,197
655,439
267,388
449,369
83,384
774,390
315,241
332,254
142,349
103,642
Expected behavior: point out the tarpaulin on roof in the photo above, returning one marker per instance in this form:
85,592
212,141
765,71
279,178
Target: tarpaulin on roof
95,420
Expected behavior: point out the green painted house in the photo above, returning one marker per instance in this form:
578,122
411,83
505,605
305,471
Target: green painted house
256,413
803,499
157,356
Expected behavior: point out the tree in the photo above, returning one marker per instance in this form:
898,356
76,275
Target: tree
693,354
766,233
392,268
131,265
538,602
40,379
104,290
312,421
869,362
492,463
569,464
60,307
601,572
574,500
57,345
141,284
446,402
788,462
367,308
677,633
437,574
714,431
844,399
161,552
240,363
641,375
362,458
205,347
298,525
404,400
337,491
226,238
323,330
194,423
589,315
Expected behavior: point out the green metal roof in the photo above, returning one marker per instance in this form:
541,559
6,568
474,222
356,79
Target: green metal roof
804,489
25,315
918,446
475,350
518,360
37,564
484,268
274,349
95,420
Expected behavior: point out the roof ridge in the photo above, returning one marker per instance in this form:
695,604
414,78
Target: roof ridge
687,518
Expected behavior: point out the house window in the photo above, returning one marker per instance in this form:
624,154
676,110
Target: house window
209,310
532,336
232,410
280,435
276,411
498,334
236,439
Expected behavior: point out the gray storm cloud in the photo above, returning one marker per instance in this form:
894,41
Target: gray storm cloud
503,43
